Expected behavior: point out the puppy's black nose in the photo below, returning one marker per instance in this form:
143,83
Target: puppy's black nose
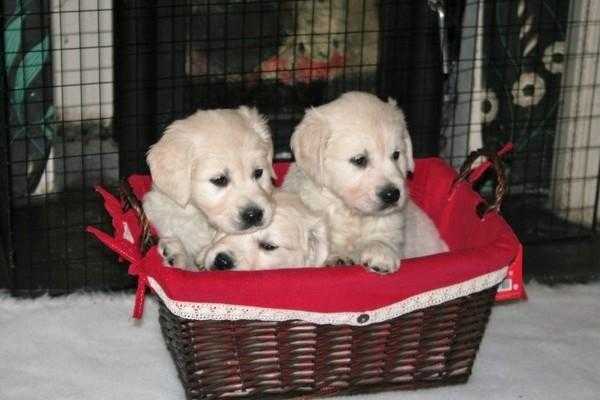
389,194
252,216
223,262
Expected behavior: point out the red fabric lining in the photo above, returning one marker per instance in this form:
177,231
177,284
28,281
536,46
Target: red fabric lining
349,289
477,247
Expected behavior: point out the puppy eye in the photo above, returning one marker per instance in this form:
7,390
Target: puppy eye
220,181
257,173
267,246
359,161
396,155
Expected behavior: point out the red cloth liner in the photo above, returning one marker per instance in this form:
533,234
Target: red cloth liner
330,289
477,247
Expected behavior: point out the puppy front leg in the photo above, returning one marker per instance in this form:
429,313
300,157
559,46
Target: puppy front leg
380,257
173,253
199,258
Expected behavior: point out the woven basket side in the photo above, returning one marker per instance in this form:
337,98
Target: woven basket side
256,359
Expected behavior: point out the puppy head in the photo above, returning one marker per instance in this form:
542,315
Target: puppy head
219,161
357,147
296,237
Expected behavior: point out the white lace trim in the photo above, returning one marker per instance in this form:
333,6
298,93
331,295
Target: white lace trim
127,233
228,312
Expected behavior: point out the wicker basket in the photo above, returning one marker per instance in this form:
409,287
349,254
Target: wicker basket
431,341
261,359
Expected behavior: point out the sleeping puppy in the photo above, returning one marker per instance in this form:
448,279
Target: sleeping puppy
352,159
296,237
211,172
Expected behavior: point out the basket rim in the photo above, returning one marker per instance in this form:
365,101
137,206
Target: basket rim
201,311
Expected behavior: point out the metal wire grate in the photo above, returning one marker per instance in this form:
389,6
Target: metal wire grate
88,85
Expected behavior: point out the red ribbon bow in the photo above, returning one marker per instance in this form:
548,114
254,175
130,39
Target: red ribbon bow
126,249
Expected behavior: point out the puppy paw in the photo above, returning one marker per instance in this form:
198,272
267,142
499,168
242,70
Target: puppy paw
199,260
173,253
339,260
380,258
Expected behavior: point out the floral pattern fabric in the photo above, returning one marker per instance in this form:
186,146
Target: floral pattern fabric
524,57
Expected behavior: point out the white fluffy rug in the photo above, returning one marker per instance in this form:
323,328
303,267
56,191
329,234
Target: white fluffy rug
86,347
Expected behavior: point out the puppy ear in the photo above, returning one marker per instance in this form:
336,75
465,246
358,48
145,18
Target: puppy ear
308,144
171,167
318,242
408,164
408,148
257,121
259,125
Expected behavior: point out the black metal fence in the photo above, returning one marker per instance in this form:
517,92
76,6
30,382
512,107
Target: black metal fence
88,85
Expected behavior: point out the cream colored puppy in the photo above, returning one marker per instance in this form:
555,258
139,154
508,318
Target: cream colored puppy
296,237
352,159
211,172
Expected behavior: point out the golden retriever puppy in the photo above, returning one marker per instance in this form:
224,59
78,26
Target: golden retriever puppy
352,159
296,237
211,172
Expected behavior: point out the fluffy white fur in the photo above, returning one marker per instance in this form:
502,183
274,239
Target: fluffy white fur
296,237
185,205
361,230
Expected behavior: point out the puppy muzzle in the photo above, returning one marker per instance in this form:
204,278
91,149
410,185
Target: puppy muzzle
222,262
251,216
388,196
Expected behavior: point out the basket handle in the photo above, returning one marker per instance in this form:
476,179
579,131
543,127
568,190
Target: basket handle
129,200
472,175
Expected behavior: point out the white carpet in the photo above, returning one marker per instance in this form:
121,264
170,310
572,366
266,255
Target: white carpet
86,347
